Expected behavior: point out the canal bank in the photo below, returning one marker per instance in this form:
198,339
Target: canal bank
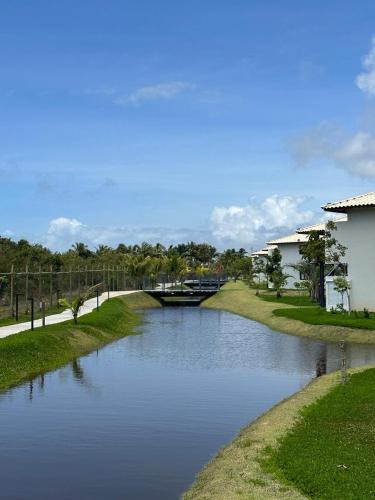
240,299
243,469
30,353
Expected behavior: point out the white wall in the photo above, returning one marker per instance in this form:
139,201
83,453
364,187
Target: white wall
290,255
333,297
358,234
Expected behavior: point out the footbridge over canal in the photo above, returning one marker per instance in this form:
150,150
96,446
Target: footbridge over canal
191,292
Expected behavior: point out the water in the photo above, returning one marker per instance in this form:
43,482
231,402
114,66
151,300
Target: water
139,418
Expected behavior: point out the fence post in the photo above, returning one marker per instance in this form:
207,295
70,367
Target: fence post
11,299
86,277
32,312
43,313
40,288
50,286
117,278
27,289
70,285
79,282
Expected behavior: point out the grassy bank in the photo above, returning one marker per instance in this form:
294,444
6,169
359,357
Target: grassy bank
329,453
319,316
308,446
29,353
291,300
239,299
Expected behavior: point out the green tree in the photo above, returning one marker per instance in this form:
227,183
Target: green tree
342,286
279,280
273,264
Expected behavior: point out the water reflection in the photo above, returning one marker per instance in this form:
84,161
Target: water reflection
140,417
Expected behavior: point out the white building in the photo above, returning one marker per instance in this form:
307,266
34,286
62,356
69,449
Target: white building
262,256
358,235
289,247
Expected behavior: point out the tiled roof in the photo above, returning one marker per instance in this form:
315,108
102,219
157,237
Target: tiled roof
362,200
291,238
321,226
264,251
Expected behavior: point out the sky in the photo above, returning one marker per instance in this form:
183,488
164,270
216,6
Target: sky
227,122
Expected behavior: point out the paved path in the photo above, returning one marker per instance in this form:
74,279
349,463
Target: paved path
66,315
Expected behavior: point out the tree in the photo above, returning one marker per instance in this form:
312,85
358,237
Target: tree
81,250
259,267
342,286
76,304
247,270
273,264
176,267
279,280
310,273
322,250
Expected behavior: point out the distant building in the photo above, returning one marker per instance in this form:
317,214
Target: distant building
290,247
262,256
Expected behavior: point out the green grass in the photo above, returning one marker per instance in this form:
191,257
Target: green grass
319,316
329,454
30,353
293,300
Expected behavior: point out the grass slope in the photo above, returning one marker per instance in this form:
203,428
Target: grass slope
240,299
29,353
330,452
292,300
238,469
318,316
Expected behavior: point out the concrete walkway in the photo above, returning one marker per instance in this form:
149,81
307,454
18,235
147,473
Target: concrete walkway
66,315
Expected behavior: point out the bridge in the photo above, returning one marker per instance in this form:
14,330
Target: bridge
184,297
191,293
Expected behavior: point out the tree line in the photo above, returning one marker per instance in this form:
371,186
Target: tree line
42,271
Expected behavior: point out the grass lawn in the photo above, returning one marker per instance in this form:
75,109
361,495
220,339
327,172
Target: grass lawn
27,354
293,300
329,454
319,316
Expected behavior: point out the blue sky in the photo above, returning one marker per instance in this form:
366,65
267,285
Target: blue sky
223,121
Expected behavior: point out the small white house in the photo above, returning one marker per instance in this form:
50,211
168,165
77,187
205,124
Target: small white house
262,256
289,247
358,235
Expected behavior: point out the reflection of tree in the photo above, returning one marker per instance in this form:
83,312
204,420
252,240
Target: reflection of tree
78,372
321,367
31,389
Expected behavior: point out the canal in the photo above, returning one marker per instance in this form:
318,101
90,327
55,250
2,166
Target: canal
139,418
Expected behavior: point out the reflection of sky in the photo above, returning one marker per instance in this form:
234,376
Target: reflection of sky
140,417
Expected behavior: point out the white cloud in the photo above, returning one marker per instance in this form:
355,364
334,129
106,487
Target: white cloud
354,153
8,233
161,91
63,232
366,80
254,223
357,155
